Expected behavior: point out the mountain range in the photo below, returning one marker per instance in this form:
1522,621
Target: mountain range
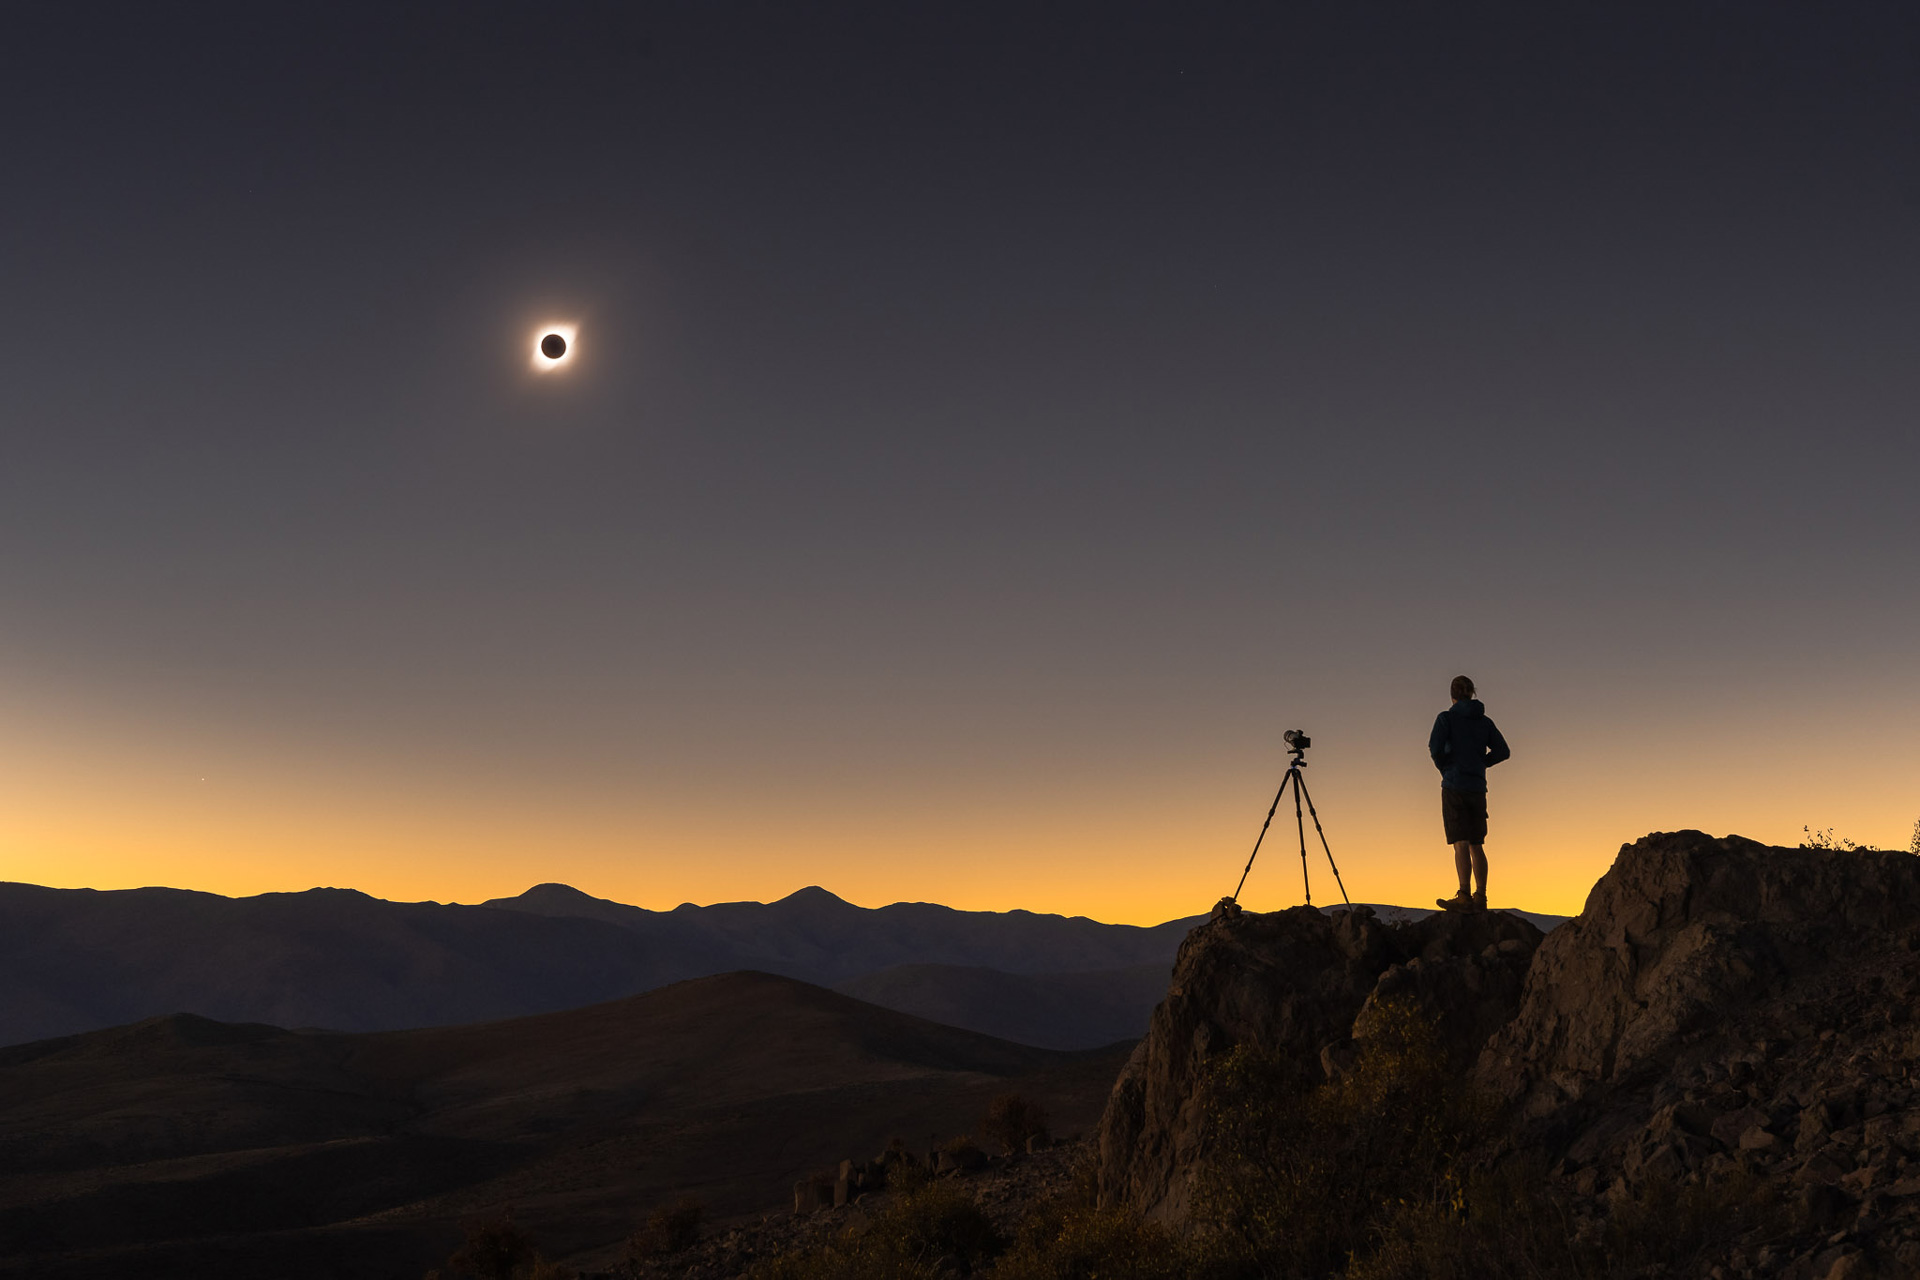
77,960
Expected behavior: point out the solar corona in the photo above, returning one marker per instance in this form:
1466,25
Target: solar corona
553,347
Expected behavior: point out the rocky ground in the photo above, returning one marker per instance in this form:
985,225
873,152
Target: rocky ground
1811,1094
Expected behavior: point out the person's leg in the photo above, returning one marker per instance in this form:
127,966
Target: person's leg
1479,870
1451,814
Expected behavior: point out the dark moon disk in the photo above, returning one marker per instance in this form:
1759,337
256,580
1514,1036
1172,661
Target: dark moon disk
553,346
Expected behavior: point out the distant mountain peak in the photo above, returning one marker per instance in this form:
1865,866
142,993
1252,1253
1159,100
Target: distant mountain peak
813,896
552,890
553,899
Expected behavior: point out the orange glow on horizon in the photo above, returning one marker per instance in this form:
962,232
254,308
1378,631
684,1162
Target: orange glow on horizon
111,800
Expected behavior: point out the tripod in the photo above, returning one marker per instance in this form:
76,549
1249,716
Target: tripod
1298,763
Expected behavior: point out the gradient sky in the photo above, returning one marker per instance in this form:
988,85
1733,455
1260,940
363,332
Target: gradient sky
992,425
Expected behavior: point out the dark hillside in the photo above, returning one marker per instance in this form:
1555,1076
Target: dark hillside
1053,1010
186,1147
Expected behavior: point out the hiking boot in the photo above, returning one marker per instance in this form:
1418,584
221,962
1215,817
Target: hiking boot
1480,902
1461,901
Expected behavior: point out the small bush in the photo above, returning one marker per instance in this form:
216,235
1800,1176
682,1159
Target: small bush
906,1176
1011,1120
1065,1240
496,1248
1825,839
1302,1176
1502,1226
1678,1225
669,1229
925,1225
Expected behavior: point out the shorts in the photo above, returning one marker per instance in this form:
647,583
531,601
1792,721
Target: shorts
1465,815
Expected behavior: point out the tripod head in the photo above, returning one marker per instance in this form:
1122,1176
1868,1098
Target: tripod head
1297,743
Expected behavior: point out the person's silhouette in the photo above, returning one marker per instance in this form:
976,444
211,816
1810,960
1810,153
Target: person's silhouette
1464,744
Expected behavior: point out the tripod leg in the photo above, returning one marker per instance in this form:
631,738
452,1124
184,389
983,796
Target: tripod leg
1262,836
1300,785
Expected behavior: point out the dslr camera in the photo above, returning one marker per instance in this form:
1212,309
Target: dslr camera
1296,740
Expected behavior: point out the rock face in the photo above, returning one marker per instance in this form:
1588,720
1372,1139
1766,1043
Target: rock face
1301,984
1724,1007
1682,932
1721,1010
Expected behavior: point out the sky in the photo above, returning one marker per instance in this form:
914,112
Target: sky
989,427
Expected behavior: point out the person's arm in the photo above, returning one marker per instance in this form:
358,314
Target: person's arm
1439,742
1497,749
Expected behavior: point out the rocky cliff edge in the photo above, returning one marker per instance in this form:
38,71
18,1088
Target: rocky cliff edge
1718,1003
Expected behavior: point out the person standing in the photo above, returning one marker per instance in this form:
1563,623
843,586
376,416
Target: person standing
1464,744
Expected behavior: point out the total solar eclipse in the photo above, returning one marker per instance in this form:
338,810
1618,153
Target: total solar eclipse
554,346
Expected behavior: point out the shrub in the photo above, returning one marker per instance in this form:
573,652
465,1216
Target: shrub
1068,1240
926,1224
1011,1120
1503,1226
904,1176
1678,1225
1301,1177
1825,839
496,1248
669,1229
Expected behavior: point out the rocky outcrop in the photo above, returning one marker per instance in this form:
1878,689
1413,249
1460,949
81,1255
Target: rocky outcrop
1300,984
1725,1010
1721,1014
1683,931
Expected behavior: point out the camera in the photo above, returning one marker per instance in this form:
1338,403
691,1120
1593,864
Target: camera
1296,739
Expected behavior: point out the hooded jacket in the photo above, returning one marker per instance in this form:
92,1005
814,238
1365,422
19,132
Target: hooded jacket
1464,744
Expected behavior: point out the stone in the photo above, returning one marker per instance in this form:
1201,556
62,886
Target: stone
1848,1266
1816,1123
1731,1128
1757,1139
1337,1058
1822,1206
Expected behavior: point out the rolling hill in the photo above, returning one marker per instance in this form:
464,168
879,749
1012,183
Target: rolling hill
185,1147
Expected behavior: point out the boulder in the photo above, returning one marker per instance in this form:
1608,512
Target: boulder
1300,984
1683,928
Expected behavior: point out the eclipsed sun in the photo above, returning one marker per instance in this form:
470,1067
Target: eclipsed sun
553,347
